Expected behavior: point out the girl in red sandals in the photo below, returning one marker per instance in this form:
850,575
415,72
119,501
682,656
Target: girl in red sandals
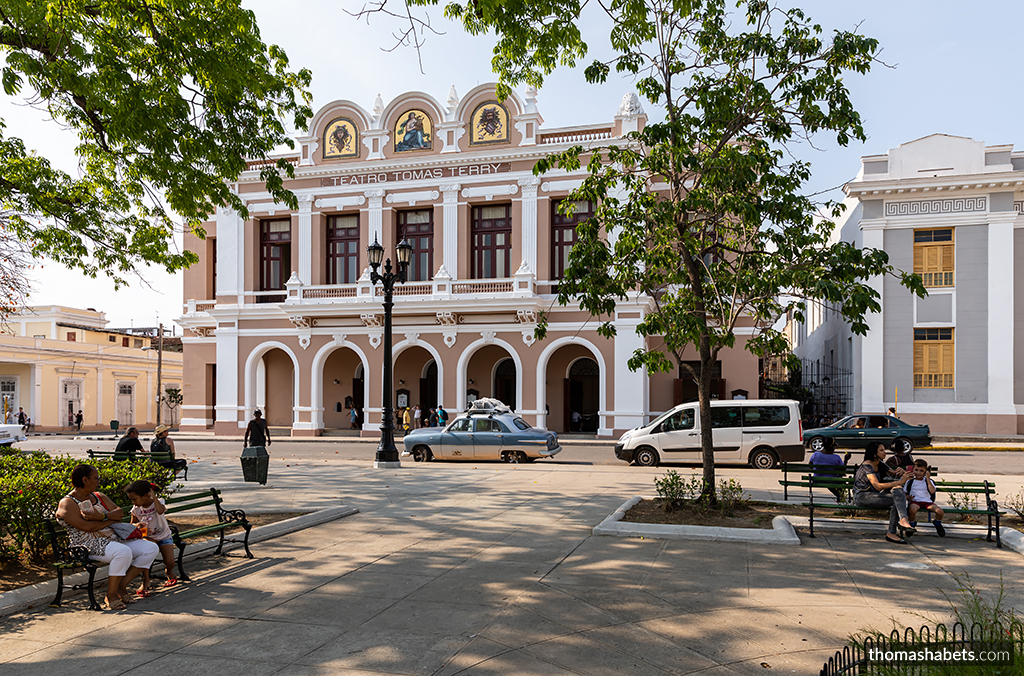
148,513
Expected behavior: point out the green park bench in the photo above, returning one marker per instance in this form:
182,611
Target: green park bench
67,558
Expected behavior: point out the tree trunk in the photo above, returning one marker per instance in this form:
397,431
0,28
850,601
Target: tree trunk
707,442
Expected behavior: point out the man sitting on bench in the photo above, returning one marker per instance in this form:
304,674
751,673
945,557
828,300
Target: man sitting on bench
128,445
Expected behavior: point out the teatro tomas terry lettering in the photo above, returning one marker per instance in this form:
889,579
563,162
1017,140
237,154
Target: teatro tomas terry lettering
417,174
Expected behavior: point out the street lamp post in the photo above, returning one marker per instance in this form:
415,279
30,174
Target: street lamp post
387,452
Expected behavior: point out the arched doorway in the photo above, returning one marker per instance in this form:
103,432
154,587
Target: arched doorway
428,386
483,379
572,383
505,382
581,394
278,388
415,378
342,384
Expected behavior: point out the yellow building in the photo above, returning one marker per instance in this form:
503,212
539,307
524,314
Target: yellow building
56,361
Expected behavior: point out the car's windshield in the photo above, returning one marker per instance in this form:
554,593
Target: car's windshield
659,418
521,424
841,423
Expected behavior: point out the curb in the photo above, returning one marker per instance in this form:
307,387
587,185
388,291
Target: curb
782,532
40,594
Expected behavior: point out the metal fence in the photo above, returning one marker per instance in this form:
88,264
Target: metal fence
863,657
824,390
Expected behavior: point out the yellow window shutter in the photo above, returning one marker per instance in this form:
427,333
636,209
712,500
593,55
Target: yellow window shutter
947,258
933,360
918,358
918,260
931,258
947,358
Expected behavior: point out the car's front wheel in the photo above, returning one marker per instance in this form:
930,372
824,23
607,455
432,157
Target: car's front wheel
646,456
817,444
903,445
421,454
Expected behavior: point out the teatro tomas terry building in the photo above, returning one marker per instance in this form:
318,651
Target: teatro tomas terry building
280,313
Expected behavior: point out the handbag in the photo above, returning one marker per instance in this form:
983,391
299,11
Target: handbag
126,531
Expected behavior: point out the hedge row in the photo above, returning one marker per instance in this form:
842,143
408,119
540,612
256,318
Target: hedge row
32,485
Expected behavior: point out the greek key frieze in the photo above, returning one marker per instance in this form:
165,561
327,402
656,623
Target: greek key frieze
946,205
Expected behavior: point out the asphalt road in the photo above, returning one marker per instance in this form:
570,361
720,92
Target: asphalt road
960,461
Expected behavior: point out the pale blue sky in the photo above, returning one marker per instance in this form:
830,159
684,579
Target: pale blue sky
955,68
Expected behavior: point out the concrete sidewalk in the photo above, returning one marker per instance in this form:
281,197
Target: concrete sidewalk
492,569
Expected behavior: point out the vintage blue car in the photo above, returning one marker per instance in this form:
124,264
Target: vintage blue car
488,431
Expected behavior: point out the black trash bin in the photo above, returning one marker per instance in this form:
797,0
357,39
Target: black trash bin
255,463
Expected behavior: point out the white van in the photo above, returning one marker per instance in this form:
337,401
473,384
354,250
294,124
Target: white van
761,432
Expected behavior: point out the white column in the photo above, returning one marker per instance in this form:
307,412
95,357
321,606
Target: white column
99,395
149,397
230,238
36,383
375,211
228,368
305,237
450,227
871,368
631,387
1000,318
528,227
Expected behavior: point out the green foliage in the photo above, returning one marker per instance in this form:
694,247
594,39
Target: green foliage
964,501
31,486
167,99
1016,503
702,212
675,492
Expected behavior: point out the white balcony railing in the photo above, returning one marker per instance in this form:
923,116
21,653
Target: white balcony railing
441,287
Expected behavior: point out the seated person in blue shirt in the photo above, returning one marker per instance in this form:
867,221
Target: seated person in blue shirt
827,456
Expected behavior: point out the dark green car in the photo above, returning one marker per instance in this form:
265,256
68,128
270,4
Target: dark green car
857,430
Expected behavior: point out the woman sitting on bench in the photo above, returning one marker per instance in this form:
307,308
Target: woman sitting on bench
162,445
86,515
870,490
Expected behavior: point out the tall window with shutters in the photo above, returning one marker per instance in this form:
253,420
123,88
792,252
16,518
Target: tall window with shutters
563,233
343,249
933,358
275,254
934,257
417,228
492,241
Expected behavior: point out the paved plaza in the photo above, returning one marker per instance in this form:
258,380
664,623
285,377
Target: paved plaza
493,569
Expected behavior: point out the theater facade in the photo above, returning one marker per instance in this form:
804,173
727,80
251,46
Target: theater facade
280,313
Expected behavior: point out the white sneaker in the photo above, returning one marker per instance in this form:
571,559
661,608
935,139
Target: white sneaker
406,453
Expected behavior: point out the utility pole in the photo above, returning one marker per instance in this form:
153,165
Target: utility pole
159,374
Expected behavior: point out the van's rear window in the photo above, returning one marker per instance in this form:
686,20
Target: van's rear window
765,416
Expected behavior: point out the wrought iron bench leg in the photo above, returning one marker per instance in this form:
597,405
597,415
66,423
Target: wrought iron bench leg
55,603
248,527
181,569
93,605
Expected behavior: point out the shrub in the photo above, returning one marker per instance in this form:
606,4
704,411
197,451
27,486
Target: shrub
675,492
31,486
1016,503
964,501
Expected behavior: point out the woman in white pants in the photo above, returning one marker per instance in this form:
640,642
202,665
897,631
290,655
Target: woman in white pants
86,514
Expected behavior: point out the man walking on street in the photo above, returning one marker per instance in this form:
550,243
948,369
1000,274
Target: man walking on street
256,432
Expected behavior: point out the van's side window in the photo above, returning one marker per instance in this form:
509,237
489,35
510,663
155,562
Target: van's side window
765,416
725,416
681,420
